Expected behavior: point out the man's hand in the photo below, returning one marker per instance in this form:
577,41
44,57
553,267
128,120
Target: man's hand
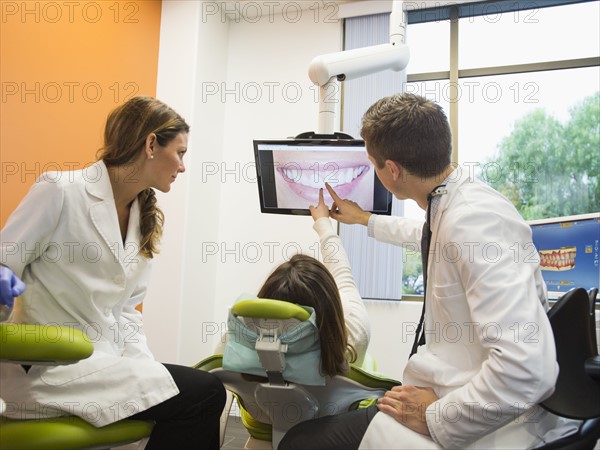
346,211
407,404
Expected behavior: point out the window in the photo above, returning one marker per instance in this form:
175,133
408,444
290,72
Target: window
519,81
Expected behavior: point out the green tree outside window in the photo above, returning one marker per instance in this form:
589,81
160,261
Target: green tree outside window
550,169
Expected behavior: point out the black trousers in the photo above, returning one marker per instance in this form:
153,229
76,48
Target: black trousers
340,432
191,419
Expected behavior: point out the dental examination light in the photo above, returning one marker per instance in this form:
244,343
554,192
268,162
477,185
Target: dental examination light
326,70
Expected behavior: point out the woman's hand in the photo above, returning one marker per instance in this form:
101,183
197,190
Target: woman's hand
408,404
321,210
11,286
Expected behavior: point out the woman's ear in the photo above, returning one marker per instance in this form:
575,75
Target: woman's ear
150,143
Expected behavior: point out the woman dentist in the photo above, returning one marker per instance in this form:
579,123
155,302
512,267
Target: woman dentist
82,243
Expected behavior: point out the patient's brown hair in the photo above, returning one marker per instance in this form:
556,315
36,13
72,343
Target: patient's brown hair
306,281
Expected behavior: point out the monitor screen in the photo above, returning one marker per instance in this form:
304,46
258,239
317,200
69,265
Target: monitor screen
569,249
291,172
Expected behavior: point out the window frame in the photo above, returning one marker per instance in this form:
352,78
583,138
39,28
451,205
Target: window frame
453,13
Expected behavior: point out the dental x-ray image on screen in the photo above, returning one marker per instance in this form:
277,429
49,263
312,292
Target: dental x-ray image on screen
291,172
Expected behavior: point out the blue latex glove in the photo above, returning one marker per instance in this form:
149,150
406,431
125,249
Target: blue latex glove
11,286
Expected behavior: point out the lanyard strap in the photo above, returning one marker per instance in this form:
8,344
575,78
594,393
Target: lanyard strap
425,243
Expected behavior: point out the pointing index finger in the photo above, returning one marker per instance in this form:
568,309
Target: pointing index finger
321,198
336,198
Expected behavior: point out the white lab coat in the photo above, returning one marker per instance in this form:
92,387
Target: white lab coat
65,243
489,352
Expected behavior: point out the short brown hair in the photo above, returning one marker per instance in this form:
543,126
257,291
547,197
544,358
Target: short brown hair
410,130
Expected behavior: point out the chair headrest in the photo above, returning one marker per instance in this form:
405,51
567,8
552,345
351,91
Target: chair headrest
290,328
269,309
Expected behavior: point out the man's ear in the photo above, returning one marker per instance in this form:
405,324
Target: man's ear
150,143
396,170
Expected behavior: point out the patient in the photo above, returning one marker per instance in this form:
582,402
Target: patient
305,281
329,289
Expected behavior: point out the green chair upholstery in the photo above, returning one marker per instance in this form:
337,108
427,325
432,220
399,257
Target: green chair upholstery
68,433
268,408
43,344
48,344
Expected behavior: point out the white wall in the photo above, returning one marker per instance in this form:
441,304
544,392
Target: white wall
262,55
393,326
177,70
180,302
236,79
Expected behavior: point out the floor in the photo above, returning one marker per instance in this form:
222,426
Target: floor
235,438
236,434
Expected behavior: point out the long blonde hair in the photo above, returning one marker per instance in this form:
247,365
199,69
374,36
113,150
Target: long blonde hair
125,133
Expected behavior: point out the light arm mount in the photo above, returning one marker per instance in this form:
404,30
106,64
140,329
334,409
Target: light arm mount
328,69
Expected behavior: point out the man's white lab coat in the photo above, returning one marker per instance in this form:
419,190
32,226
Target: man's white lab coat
489,352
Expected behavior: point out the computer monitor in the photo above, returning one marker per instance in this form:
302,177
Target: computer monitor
290,173
569,249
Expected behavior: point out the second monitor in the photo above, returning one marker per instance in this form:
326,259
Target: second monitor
291,172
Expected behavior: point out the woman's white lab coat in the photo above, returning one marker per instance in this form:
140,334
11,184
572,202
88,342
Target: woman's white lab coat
64,242
489,352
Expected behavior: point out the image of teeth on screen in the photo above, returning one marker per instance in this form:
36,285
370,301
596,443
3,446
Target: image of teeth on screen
291,175
298,180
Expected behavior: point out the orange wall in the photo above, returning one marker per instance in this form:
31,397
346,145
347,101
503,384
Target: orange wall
63,67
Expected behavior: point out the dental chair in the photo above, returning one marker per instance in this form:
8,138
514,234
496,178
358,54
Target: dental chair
271,365
50,345
577,391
